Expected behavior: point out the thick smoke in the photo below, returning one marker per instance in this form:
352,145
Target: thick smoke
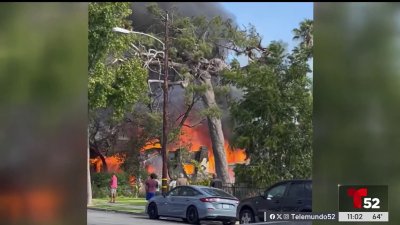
141,17
141,20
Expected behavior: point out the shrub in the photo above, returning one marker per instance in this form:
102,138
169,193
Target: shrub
100,192
204,182
101,182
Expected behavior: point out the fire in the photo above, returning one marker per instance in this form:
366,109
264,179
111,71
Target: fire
191,138
234,155
155,143
189,168
150,169
194,138
113,163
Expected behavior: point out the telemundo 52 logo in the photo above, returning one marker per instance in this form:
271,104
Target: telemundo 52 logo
363,198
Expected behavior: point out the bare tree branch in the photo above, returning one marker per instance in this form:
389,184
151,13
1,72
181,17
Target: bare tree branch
186,113
191,126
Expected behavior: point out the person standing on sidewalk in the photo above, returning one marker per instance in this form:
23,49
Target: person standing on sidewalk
151,186
113,187
182,181
172,184
216,182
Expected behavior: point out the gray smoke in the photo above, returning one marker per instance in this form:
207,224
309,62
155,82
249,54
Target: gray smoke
141,18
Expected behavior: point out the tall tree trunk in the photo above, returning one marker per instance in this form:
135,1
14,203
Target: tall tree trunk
89,184
102,158
216,133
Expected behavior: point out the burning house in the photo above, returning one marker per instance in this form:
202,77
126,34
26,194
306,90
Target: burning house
192,154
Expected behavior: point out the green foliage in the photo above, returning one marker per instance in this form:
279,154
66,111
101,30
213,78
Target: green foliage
173,134
196,88
100,184
129,86
212,112
196,38
305,35
116,85
235,64
100,192
154,9
221,90
203,182
103,16
149,124
184,154
273,120
102,179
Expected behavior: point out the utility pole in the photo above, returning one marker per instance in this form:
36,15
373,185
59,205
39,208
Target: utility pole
164,186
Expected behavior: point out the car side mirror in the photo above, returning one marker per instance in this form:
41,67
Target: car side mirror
267,196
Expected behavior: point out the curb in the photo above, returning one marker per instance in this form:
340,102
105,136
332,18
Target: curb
116,211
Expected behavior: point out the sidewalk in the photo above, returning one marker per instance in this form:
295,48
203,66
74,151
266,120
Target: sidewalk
124,205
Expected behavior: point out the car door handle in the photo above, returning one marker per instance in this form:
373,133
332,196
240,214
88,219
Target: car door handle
299,201
277,201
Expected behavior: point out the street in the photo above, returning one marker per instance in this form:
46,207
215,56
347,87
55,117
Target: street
95,217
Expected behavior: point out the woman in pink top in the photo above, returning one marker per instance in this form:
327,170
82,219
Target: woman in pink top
151,186
113,187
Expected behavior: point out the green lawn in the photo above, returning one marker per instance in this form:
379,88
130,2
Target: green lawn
122,204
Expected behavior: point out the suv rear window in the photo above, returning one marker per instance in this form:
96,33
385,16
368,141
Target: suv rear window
217,193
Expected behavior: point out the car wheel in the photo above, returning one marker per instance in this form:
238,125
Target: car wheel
192,216
246,216
153,211
229,222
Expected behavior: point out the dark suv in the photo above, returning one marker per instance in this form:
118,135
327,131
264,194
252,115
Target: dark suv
286,196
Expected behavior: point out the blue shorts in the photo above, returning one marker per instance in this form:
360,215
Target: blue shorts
149,195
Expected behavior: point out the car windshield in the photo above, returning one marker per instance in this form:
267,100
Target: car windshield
217,193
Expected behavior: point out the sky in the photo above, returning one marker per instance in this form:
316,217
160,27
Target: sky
274,21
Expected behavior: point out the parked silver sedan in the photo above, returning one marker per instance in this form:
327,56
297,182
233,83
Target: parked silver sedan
194,203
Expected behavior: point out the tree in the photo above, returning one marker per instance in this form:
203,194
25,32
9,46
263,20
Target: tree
305,35
116,83
198,50
273,119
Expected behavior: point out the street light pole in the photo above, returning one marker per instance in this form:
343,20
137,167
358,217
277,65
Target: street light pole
164,185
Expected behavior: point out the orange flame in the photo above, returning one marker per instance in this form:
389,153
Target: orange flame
189,168
196,137
113,163
150,169
155,143
192,139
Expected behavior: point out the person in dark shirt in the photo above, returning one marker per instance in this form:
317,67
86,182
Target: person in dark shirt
216,182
